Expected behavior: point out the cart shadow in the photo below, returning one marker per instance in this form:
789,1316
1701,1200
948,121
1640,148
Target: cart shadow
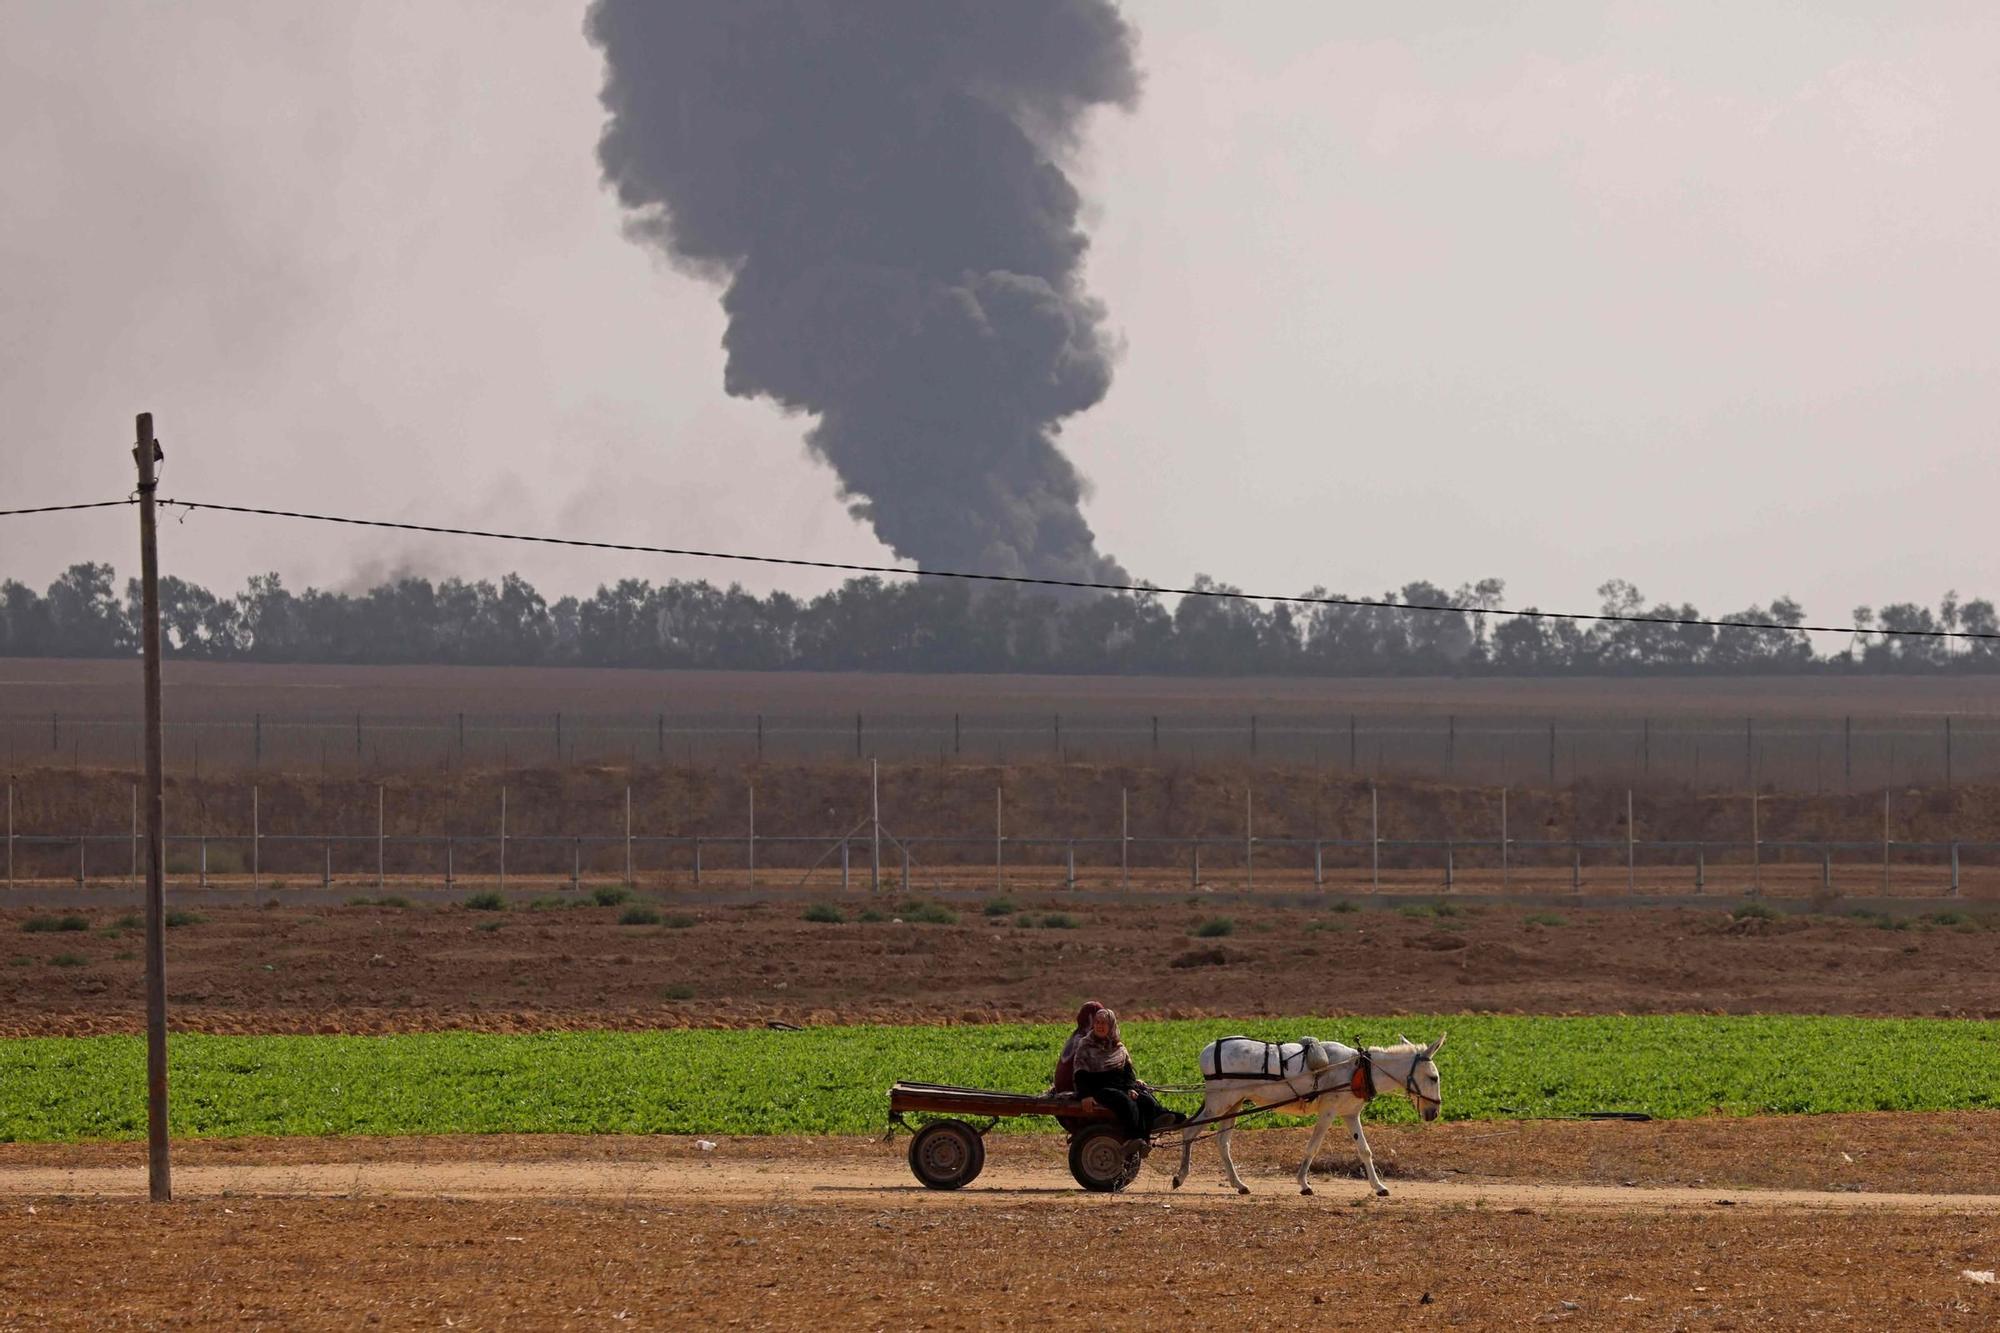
1009,1190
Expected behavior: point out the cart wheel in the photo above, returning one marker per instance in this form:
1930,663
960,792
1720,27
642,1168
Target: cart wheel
947,1154
1097,1160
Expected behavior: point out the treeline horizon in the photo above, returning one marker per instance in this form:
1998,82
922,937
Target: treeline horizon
948,625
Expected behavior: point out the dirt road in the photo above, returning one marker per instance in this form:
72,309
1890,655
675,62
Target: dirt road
792,1234
864,1184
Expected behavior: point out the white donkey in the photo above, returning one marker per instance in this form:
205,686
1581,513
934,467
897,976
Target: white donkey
1309,1077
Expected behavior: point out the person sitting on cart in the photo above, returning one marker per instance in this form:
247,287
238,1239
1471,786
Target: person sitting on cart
1065,1080
1104,1074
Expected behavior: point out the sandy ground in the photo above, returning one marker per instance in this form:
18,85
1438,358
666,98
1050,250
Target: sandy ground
363,969
790,1234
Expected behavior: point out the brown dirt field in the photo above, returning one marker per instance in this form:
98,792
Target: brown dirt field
370,969
834,1233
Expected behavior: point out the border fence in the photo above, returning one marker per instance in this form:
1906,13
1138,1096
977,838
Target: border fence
1835,754
872,855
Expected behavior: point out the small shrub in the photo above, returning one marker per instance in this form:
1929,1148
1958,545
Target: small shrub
361,902
1754,912
610,895
1543,919
1887,922
1949,918
488,901
1447,909
180,917
1417,911
66,960
395,900
826,914
931,914
124,956
677,992
46,925
494,924
552,904
680,921
871,916
639,915
129,921
1343,906
277,885
1214,927
1059,921
999,907
20,960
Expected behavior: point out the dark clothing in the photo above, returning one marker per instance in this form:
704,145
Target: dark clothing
1119,1091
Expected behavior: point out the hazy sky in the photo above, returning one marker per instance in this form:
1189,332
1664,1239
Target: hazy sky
1696,295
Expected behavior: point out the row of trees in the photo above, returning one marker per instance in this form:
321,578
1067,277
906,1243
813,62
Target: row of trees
948,625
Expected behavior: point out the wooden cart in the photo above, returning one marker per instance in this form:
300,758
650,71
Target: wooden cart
947,1153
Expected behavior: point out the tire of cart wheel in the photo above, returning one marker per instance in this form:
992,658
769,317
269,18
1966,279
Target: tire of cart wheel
1097,1160
947,1154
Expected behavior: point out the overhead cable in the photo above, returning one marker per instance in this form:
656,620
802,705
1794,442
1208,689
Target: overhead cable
1227,594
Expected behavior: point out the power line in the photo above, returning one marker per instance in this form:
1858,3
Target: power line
63,509
1086,585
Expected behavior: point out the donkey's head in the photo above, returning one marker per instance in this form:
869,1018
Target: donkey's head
1421,1082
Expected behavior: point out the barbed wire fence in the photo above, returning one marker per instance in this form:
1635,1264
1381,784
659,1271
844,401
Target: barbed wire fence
1402,851
1820,755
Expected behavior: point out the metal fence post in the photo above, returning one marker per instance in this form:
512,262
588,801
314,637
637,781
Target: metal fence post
1375,837
1194,866
448,867
1249,845
1576,868
1700,868
10,833
326,864
256,841
1124,839
1826,868
82,843
999,843
1954,869
1631,846
1503,838
843,865
135,831
628,832
906,868
1448,858
503,839
750,854
381,834
202,869
1756,846
1319,865
576,863
1885,840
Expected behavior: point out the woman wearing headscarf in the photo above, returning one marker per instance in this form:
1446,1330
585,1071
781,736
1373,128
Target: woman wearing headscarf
1104,1074
1065,1080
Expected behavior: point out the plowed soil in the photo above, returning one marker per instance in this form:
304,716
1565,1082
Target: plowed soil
789,1234
368,969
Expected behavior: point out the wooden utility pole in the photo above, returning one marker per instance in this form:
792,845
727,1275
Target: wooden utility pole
159,1178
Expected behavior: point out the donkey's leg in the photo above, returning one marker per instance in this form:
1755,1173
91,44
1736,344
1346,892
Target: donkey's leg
1312,1148
1209,1104
1366,1153
1222,1137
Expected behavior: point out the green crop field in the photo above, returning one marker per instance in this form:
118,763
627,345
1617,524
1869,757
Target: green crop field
832,1080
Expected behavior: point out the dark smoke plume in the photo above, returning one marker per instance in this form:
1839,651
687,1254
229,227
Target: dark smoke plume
874,180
